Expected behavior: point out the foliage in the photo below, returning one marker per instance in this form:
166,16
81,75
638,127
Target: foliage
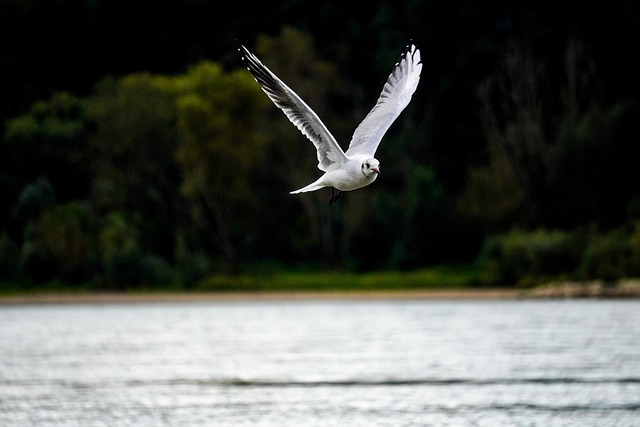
124,263
133,145
221,152
529,257
522,256
551,162
48,142
63,241
33,200
294,58
447,276
152,158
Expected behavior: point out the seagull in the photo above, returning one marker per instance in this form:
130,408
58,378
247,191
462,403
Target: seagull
357,167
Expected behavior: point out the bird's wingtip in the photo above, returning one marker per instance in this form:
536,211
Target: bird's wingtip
242,49
410,49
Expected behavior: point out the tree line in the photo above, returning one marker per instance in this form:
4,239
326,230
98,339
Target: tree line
166,173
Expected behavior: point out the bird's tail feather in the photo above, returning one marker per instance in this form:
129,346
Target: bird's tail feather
311,187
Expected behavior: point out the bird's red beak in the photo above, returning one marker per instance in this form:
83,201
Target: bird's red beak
376,170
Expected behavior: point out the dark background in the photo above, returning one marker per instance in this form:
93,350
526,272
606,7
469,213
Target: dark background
523,134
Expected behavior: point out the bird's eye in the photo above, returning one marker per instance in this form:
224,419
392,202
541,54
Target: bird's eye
367,165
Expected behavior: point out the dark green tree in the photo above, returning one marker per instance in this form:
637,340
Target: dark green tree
221,153
50,142
133,157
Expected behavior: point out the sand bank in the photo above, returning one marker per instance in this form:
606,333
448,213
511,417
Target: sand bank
596,289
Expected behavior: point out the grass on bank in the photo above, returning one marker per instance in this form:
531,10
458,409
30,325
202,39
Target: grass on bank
438,277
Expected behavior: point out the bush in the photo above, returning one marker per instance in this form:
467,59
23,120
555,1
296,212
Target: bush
36,264
612,255
125,264
61,244
519,257
34,199
633,250
135,270
526,257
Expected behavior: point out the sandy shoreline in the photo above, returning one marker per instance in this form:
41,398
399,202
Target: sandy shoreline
153,297
624,289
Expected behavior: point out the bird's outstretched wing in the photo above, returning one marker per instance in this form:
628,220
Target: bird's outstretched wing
330,155
395,96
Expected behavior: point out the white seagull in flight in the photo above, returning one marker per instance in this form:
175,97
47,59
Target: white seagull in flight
357,167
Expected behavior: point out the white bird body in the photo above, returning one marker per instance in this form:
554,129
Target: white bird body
348,177
357,167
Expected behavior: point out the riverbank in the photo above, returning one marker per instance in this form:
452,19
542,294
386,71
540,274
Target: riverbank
627,288
153,297
596,289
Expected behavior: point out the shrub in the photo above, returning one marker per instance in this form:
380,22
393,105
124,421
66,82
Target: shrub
135,270
125,264
521,256
606,256
633,253
60,244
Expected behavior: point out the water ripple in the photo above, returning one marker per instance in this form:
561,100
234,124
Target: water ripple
444,363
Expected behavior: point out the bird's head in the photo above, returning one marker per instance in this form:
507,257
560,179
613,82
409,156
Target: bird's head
371,168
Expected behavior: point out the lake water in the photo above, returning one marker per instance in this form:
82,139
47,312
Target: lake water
322,363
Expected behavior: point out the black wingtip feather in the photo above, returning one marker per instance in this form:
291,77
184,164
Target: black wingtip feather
260,72
408,49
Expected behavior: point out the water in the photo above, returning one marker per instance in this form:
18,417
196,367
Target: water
322,363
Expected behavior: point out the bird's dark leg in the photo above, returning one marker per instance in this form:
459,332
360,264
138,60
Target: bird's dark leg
335,195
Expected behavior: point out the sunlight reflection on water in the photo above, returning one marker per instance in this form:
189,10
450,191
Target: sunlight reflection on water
439,363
